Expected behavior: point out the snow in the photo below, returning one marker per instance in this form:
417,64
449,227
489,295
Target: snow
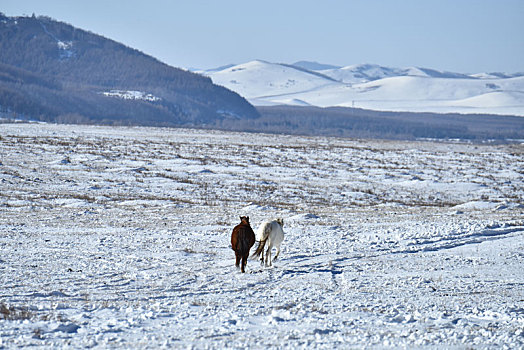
371,86
64,45
388,244
359,73
260,77
492,99
65,49
131,95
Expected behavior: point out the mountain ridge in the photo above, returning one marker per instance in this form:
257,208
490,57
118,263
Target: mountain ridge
87,68
375,87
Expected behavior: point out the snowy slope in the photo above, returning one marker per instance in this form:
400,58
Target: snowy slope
120,238
376,87
362,73
260,79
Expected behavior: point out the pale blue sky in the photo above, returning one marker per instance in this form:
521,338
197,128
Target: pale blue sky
468,36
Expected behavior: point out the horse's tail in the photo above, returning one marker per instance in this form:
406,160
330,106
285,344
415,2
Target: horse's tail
245,240
262,234
260,248
242,244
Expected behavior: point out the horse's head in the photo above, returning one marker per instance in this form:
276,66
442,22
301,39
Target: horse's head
244,219
280,221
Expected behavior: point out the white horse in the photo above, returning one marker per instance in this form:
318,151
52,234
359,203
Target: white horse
271,232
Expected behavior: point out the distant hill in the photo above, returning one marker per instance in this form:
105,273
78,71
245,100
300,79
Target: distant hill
52,71
314,65
374,87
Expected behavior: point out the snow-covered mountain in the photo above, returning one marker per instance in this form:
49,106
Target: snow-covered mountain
374,87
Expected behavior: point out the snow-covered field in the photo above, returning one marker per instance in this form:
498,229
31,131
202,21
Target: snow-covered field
119,238
375,87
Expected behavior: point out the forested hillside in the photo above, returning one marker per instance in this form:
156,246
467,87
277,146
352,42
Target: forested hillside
53,71
361,123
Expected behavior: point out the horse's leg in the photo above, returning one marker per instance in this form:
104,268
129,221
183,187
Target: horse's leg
278,252
237,264
244,263
268,255
262,257
263,243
